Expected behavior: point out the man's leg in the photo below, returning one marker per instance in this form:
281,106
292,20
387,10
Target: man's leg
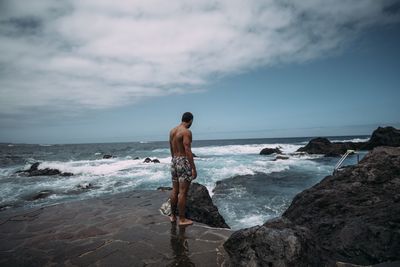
174,200
183,189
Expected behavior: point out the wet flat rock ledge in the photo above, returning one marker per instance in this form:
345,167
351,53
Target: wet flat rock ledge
122,230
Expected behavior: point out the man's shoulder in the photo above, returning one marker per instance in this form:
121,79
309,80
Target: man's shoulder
187,132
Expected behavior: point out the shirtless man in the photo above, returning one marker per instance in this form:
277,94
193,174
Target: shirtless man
183,170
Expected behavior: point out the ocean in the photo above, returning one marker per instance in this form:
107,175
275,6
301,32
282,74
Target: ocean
251,187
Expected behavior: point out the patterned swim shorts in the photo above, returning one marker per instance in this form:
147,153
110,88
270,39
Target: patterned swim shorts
181,169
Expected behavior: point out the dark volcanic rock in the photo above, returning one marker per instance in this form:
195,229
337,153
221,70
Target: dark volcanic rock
276,243
34,171
40,195
107,156
147,160
200,208
383,136
34,167
322,145
269,151
353,217
155,161
281,157
66,174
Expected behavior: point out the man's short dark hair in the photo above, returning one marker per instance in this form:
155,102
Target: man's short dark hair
187,116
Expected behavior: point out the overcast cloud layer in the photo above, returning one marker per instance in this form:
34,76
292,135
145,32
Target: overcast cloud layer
76,55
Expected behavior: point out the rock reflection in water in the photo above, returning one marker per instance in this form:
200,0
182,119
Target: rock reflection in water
180,247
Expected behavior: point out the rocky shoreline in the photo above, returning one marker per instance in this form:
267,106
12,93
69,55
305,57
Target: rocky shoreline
352,216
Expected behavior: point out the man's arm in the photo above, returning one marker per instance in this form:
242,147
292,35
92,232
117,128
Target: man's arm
187,143
170,144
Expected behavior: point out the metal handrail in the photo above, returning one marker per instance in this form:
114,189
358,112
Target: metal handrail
340,162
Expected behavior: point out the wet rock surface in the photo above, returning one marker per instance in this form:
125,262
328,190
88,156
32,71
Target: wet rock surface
35,171
382,136
200,208
269,151
322,145
120,230
352,217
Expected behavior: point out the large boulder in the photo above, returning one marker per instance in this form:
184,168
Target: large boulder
276,243
352,216
383,136
269,151
200,208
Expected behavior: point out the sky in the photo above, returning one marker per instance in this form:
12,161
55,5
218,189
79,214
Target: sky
117,71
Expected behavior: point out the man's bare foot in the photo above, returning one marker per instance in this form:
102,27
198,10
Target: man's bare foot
172,218
185,222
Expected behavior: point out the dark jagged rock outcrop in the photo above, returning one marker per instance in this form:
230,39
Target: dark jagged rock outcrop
352,216
269,151
35,171
322,145
383,136
200,208
107,156
148,160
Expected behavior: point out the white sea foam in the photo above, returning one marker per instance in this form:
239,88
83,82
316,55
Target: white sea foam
99,167
242,149
252,220
352,140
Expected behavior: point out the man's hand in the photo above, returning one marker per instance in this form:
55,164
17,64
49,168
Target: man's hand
194,174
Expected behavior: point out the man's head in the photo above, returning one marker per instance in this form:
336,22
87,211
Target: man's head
187,118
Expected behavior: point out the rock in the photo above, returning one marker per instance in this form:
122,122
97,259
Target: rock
44,172
317,145
66,174
147,160
135,158
351,217
269,151
383,136
35,171
155,161
40,195
194,155
107,156
200,208
272,244
322,145
34,167
281,157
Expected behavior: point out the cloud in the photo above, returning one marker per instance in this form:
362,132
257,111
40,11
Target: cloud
85,55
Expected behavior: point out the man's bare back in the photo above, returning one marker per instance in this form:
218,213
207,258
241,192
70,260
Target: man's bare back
183,169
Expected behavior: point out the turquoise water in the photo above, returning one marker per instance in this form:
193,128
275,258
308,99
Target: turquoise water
265,191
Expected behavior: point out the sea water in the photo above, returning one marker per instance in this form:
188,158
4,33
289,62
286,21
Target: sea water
254,188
